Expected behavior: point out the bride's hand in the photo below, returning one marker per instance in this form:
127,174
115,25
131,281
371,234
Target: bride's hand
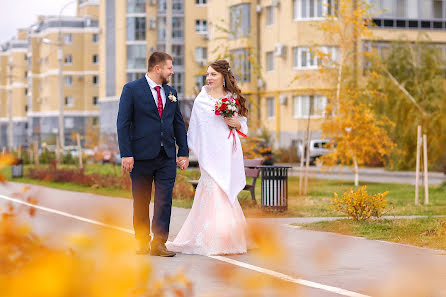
232,122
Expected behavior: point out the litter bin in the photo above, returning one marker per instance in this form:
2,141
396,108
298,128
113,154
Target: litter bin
17,169
274,187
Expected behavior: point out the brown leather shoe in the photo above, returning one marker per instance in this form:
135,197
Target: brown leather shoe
161,250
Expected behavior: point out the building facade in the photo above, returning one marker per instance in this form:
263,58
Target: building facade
133,29
31,78
269,43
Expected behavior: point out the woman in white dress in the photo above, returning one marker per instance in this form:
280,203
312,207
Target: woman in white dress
216,224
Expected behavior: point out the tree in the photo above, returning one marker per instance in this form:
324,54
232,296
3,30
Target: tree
412,86
356,134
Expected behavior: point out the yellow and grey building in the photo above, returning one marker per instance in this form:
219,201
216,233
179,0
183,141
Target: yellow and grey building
14,90
133,29
280,33
32,57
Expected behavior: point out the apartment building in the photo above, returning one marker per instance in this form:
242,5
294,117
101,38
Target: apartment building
133,29
13,91
280,33
29,78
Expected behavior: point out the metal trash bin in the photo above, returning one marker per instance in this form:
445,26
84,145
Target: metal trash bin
17,169
274,187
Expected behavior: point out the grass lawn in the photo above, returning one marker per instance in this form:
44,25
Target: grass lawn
423,232
316,203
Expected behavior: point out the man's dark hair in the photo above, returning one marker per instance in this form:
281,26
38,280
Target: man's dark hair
157,58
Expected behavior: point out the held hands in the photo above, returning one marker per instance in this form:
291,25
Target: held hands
127,164
183,162
232,122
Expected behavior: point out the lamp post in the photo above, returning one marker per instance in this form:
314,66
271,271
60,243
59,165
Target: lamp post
59,44
10,129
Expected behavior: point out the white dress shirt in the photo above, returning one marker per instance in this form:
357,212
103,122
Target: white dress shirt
152,86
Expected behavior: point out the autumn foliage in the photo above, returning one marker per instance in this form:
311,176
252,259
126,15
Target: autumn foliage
360,205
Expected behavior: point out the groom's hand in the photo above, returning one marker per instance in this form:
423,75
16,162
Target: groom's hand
127,164
183,162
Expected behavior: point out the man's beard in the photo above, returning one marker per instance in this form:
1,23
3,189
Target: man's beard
165,80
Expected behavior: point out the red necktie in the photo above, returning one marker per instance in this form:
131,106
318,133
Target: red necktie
160,100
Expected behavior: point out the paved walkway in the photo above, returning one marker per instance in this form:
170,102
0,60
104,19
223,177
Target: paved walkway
368,174
317,263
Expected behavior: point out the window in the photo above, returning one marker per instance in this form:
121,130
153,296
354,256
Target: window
178,55
95,100
270,107
68,38
269,61
177,28
136,6
200,2
303,58
201,54
136,56
136,28
241,65
69,102
201,26
178,82
131,76
68,60
69,123
95,79
200,80
269,15
313,9
177,5
309,105
95,38
68,80
426,14
95,59
240,21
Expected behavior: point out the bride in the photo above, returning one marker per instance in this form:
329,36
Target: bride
216,224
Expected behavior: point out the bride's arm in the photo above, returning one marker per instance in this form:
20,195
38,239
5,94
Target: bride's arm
243,124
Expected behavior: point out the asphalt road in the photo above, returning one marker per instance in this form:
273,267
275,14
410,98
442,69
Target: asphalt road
316,263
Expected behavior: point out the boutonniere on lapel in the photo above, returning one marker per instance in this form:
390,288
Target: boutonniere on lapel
172,98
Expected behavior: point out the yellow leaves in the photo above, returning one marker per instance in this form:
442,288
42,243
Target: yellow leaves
359,204
267,242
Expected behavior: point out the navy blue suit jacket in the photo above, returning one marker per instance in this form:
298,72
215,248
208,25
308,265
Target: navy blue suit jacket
140,128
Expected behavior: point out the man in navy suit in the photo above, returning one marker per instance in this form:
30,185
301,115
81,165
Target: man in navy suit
149,124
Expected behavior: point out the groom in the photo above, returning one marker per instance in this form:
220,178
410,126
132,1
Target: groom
149,124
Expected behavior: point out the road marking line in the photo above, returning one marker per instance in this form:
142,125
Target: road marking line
66,214
219,258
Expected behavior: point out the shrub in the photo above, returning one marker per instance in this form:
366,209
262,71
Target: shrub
359,204
182,189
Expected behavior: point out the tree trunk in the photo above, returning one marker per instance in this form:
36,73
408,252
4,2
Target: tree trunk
355,163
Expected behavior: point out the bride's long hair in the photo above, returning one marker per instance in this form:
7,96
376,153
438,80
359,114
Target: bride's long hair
222,66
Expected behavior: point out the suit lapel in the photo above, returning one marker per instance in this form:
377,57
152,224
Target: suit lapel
149,95
168,102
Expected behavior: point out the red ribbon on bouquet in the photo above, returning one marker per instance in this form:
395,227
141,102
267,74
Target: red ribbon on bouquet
234,144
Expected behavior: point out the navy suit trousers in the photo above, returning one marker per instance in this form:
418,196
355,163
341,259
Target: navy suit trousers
162,172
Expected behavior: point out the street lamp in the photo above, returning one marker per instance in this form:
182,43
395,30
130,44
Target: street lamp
10,137
59,44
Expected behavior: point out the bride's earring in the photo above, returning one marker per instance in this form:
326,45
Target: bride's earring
224,84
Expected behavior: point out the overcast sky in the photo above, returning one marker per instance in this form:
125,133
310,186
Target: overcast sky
15,14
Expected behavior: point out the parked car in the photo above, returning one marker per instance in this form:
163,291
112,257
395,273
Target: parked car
318,148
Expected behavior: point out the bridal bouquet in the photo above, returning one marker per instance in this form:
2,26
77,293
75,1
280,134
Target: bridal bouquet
227,107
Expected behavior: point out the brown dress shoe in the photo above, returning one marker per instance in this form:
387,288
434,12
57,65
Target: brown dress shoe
161,250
